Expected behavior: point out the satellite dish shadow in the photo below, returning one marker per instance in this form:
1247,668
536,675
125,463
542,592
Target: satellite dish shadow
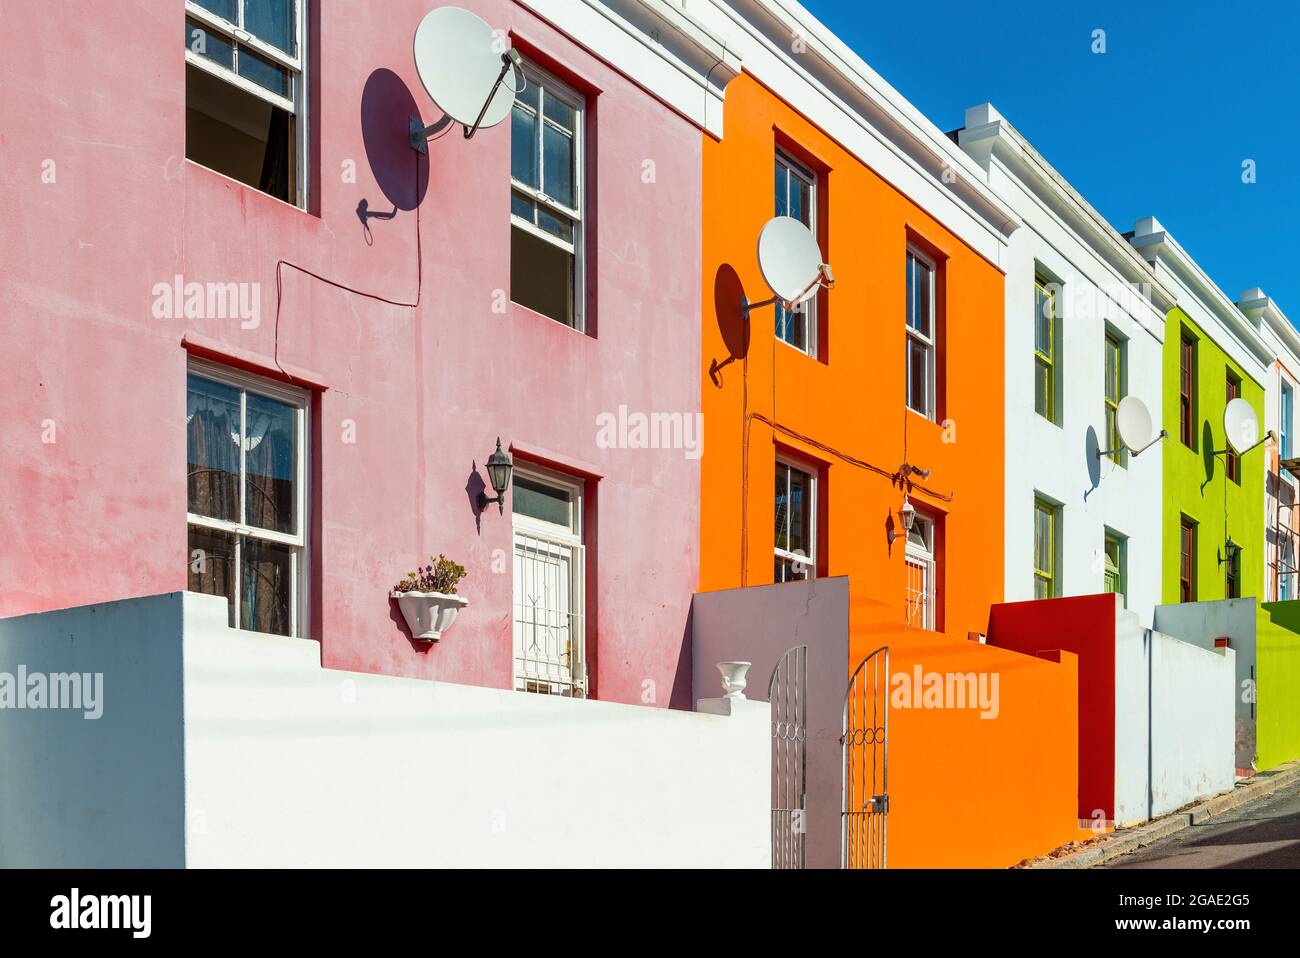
1092,459
1207,452
386,108
728,294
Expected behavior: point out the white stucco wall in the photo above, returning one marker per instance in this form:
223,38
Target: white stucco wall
1060,461
289,764
1174,722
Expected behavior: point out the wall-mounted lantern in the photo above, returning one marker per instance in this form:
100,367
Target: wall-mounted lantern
906,517
499,467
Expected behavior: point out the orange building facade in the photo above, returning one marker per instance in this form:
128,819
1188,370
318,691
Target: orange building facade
810,431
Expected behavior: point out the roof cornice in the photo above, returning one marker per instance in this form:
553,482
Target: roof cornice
1258,307
1158,245
655,43
987,134
846,81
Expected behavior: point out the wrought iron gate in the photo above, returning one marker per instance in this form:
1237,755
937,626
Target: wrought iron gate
787,692
865,743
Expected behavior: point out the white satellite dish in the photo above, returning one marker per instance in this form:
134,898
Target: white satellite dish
1133,422
463,68
1240,426
791,263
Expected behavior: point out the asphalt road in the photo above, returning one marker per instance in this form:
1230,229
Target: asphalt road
1264,833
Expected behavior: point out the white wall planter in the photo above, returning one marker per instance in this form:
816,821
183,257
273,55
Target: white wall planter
429,614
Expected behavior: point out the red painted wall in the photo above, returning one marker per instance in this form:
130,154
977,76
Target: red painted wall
1084,625
99,514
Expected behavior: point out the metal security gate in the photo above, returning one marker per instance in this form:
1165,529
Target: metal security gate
787,692
865,743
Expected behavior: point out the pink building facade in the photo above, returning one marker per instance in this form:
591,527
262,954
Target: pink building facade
371,339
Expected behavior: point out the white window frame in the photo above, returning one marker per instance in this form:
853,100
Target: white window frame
931,370
922,558
300,559
298,67
571,538
809,562
546,82
809,308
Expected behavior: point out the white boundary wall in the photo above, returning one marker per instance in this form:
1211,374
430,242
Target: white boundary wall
284,763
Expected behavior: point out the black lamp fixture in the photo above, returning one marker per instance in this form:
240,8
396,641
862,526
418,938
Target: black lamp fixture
499,467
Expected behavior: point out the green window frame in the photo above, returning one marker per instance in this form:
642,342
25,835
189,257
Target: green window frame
1045,348
1047,518
1114,393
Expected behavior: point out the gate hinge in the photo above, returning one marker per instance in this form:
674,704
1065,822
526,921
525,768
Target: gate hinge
877,803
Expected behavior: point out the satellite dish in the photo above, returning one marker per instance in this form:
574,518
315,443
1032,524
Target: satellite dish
790,260
1240,426
463,69
1133,422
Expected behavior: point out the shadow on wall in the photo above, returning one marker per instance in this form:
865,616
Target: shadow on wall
1092,459
1207,452
386,108
728,294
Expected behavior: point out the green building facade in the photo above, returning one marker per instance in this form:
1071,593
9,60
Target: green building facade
1213,523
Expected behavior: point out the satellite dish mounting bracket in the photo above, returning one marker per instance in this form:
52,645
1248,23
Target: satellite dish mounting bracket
1103,453
420,134
824,280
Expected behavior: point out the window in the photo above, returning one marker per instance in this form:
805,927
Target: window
550,649
922,581
546,199
1187,560
1115,573
796,520
1187,390
920,335
247,454
1047,518
796,196
1045,348
1231,461
245,92
1232,572
1115,385
1284,423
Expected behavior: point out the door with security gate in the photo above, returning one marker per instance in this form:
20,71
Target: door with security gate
787,695
864,742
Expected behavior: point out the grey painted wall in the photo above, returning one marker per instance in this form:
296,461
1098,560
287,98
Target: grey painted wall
107,792
759,624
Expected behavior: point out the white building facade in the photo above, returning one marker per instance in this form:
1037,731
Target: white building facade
1084,328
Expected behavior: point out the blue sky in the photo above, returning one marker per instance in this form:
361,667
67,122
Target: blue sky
1159,125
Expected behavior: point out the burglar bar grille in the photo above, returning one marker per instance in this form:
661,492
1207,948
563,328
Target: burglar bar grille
549,634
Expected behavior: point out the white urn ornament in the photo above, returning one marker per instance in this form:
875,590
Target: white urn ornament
733,678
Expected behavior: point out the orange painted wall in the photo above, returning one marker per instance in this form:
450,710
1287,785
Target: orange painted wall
958,782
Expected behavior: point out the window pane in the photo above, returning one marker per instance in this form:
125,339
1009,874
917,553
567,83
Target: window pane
557,164
782,189
522,207
918,296
800,504
271,21
1042,388
209,44
222,8
557,111
1112,370
1043,326
559,226
780,511
918,391
264,73
541,501
212,442
791,326
523,146
270,459
265,586
211,562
